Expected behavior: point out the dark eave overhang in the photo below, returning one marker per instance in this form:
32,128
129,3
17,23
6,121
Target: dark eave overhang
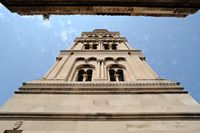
175,8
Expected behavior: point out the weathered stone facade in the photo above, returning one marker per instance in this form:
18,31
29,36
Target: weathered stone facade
100,85
177,8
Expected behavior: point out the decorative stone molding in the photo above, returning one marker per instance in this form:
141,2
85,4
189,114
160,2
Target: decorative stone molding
107,39
177,8
138,87
101,116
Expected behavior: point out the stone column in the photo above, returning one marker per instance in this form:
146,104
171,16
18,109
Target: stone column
102,69
110,46
101,45
98,69
84,77
117,77
90,46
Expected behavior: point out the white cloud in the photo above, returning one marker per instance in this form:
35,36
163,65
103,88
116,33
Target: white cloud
46,23
62,23
69,22
27,17
63,36
146,37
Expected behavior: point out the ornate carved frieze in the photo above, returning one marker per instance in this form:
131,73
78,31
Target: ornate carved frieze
177,8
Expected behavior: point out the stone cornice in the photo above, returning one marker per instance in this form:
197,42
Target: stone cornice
94,92
63,52
102,33
195,116
137,84
62,87
97,39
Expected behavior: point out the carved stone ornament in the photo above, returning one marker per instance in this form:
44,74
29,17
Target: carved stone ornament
17,125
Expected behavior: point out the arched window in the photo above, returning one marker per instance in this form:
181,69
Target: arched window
89,35
106,46
95,35
80,75
90,46
112,75
104,35
114,46
121,59
92,59
80,59
94,46
120,74
85,73
87,46
110,46
116,73
109,59
89,75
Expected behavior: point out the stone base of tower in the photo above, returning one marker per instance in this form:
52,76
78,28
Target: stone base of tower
156,107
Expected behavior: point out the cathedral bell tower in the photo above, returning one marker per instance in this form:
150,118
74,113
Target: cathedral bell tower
100,57
100,85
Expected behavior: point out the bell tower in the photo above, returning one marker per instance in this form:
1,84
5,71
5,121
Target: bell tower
100,56
100,85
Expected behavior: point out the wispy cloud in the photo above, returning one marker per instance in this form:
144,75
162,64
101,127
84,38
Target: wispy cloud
69,22
146,37
63,36
47,23
28,17
61,22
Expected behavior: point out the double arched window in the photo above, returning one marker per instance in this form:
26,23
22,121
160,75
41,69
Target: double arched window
110,46
84,73
90,46
116,73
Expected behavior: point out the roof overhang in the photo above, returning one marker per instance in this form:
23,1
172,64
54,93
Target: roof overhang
174,8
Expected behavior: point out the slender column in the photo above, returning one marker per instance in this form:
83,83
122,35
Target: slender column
84,77
117,77
98,69
90,46
103,69
110,46
101,45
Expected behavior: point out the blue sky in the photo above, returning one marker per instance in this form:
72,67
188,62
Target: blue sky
29,45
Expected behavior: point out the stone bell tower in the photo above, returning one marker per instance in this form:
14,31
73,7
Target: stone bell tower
100,85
